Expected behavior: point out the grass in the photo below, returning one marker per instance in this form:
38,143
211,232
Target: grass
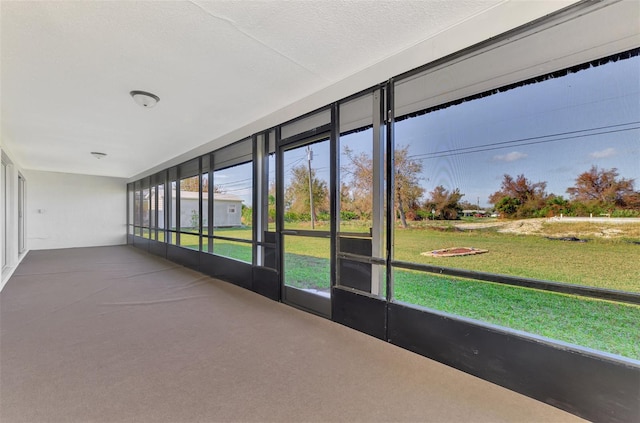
611,264
601,325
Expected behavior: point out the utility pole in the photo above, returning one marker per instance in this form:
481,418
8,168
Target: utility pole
309,158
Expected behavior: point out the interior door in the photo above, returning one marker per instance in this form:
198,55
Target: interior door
305,226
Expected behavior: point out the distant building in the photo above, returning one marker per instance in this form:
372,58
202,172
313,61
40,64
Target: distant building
476,213
227,210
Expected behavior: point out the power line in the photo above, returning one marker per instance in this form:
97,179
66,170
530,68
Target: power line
521,142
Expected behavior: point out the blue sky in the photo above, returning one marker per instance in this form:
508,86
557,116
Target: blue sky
549,131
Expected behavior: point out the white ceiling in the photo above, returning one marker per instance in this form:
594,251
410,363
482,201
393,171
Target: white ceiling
222,69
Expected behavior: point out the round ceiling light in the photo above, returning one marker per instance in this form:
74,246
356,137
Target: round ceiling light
144,98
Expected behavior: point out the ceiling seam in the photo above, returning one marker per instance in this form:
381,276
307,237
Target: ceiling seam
257,40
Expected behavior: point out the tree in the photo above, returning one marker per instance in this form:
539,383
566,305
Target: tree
408,191
407,188
446,204
191,184
357,195
297,193
524,198
604,187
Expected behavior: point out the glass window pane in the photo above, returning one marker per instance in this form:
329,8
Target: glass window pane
152,210
173,217
136,208
232,202
161,206
306,263
303,210
232,249
189,205
189,240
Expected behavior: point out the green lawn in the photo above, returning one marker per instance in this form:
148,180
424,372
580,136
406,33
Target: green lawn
612,264
601,325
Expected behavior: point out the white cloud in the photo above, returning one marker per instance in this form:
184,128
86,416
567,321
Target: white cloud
510,157
607,152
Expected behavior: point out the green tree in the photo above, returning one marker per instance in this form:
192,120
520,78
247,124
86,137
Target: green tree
507,206
530,197
297,199
446,204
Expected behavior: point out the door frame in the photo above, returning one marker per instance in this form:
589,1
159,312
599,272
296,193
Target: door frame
298,298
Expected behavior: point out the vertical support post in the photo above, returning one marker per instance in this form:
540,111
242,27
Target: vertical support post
200,203
177,211
210,205
377,230
280,211
257,230
390,165
334,189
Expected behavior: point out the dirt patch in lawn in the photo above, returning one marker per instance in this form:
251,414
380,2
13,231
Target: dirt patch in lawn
454,252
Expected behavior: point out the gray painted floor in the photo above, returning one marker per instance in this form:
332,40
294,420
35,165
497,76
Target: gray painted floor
111,334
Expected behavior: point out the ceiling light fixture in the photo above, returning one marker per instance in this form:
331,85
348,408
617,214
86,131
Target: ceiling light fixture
144,98
98,155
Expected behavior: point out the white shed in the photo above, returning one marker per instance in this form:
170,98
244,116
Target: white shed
227,210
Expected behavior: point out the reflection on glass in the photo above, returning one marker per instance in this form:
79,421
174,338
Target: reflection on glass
306,182
306,264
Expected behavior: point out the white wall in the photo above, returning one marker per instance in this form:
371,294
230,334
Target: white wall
67,210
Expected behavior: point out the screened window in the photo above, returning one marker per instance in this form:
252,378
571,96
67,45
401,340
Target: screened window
233,211
538,181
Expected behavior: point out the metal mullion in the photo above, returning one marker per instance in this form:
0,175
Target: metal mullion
334,197
361,259
210,206
140,212
155,212
200,203
226,238
258,180
307,137
128,205
280,212
390,184
165,211
378,187
177,211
